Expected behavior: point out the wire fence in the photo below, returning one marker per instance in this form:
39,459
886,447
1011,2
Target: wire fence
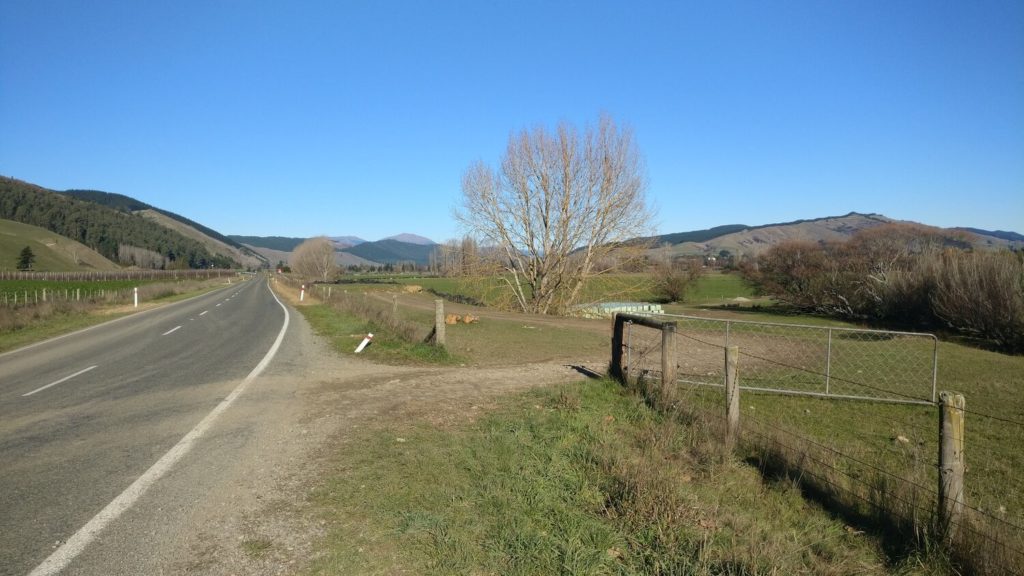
851,415
108,275
89,287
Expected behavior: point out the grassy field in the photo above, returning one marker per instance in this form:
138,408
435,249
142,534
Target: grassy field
847,457
712,288
579,479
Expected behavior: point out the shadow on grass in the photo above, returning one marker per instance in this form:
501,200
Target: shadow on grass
899,539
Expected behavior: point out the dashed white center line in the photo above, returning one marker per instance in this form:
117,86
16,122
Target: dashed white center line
203,312
64,379
219,303
171,330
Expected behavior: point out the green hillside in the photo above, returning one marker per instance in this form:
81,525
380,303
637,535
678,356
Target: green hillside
129,204
280,243
54,253
393,251
99,227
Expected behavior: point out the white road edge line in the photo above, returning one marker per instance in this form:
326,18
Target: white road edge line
64,379
86,534
171,330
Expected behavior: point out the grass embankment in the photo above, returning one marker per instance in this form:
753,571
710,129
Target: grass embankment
580,479
24,325
346,316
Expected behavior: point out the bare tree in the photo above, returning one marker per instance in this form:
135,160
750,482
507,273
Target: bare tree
559,209
314,258
673,277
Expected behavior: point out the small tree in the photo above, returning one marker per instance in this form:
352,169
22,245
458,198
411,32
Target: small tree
673,278
26,259
315,258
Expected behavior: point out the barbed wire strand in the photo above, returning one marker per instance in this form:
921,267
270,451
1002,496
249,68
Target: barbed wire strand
845,490
839,453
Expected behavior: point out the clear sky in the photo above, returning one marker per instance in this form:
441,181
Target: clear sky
299,118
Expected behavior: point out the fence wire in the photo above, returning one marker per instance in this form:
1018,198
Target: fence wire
852,413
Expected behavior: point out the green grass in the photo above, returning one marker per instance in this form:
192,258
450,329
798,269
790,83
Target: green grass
507,342
853,452
579,479
714,288
718,287
345,331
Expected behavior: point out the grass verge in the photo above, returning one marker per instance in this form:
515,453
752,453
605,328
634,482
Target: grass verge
577,479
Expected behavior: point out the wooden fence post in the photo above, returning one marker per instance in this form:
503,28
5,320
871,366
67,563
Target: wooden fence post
615,368
439,322
951,463
732,397
668,358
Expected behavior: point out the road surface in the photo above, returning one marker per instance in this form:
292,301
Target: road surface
87,417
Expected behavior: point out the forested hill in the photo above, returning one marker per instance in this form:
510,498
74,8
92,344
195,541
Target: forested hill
111,232
282,243
129,204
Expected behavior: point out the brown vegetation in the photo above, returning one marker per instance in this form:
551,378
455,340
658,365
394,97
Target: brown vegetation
315,259
901,274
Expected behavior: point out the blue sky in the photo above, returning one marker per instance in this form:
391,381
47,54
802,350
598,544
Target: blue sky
305,118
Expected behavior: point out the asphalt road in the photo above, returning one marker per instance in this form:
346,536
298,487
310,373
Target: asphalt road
84,416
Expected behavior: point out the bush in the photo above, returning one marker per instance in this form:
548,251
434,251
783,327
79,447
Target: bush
982,294
902,275
673,278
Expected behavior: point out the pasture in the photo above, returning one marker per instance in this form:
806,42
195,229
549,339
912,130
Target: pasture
843,455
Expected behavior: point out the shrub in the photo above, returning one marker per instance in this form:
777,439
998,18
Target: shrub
982,294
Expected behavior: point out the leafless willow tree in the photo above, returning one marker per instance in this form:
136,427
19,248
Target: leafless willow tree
560,209
315,259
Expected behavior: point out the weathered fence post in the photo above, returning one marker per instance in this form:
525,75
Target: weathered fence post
951,463
668,358
439,322
615,367
732,397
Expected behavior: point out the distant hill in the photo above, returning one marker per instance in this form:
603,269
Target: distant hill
347,240
109,231
696,235
214,241
751,240
392,251
53,252
412,239
998,234
279,243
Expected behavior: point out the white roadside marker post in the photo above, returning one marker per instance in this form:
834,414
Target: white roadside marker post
367,340
302,293
136,292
